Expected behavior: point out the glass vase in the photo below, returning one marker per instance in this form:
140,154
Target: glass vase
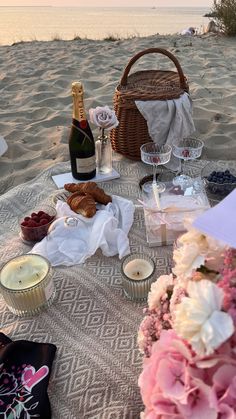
103,154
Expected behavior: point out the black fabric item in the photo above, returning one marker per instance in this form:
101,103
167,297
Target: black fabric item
25,369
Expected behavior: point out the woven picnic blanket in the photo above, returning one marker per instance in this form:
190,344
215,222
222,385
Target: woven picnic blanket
97,365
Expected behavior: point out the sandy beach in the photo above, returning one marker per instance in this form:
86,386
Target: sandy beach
36,105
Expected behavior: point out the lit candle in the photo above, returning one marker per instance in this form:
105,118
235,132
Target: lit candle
26,284
138,269
137,274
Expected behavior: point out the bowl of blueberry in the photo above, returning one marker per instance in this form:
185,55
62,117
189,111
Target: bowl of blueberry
219,178
34,225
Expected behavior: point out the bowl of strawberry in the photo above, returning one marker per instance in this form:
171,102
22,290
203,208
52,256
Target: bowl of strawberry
34,227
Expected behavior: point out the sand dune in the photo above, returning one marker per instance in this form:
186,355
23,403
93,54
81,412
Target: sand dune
35,101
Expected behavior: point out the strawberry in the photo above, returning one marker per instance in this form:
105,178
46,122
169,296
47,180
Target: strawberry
36,219
47,216
32,223
24,223
26,218
40,214
43,221
33,214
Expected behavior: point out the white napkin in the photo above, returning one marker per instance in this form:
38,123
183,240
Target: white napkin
168,120
107,230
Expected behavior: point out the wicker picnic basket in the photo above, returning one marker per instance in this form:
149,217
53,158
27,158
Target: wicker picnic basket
132,131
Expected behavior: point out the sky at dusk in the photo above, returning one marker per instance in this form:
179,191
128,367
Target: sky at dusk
109,3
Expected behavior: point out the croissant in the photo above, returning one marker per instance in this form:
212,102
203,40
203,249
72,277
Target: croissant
73,187
90,188
97,193
82,204
71,197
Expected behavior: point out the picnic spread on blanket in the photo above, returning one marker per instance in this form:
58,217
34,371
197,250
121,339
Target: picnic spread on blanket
120,264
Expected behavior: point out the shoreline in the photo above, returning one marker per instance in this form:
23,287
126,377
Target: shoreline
36,101
114,38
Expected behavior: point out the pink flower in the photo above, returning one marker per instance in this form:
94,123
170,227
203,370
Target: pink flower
165,380
197,405
174,378
177,384
224,389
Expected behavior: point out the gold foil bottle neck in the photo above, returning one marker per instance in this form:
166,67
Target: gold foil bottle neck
78,103
77,88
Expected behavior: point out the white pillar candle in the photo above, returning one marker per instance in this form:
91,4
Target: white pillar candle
26,283
138,269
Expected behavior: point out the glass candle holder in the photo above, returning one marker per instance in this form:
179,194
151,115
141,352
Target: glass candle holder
26,284
138,273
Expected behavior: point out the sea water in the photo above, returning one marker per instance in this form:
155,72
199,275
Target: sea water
47,23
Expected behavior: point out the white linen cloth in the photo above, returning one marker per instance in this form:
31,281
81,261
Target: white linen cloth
168,120
107,229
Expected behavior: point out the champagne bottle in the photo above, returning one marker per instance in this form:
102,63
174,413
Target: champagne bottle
81,141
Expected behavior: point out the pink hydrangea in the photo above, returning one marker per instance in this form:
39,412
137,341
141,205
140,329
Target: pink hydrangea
224,391
175,383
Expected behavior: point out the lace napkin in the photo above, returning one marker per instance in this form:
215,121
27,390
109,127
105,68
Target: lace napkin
71,244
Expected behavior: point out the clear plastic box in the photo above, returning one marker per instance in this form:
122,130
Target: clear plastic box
164,226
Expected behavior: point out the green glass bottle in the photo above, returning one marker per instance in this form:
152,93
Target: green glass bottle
81,141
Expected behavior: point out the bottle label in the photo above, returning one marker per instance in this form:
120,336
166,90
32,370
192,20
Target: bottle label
86,165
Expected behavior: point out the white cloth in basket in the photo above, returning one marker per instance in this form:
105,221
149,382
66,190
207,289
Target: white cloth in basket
107,230
168,120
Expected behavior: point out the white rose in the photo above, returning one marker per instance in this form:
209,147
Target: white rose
199,319
103,117
158,289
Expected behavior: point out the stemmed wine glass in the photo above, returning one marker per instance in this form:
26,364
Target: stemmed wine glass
186,149
156,155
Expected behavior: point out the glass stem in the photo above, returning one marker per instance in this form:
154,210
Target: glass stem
183,167
154,180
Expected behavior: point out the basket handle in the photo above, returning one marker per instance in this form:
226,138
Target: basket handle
163,51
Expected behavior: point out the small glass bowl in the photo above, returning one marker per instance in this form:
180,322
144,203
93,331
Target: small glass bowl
214,185
40,223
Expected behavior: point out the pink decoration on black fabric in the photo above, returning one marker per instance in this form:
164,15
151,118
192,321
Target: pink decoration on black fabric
25,369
